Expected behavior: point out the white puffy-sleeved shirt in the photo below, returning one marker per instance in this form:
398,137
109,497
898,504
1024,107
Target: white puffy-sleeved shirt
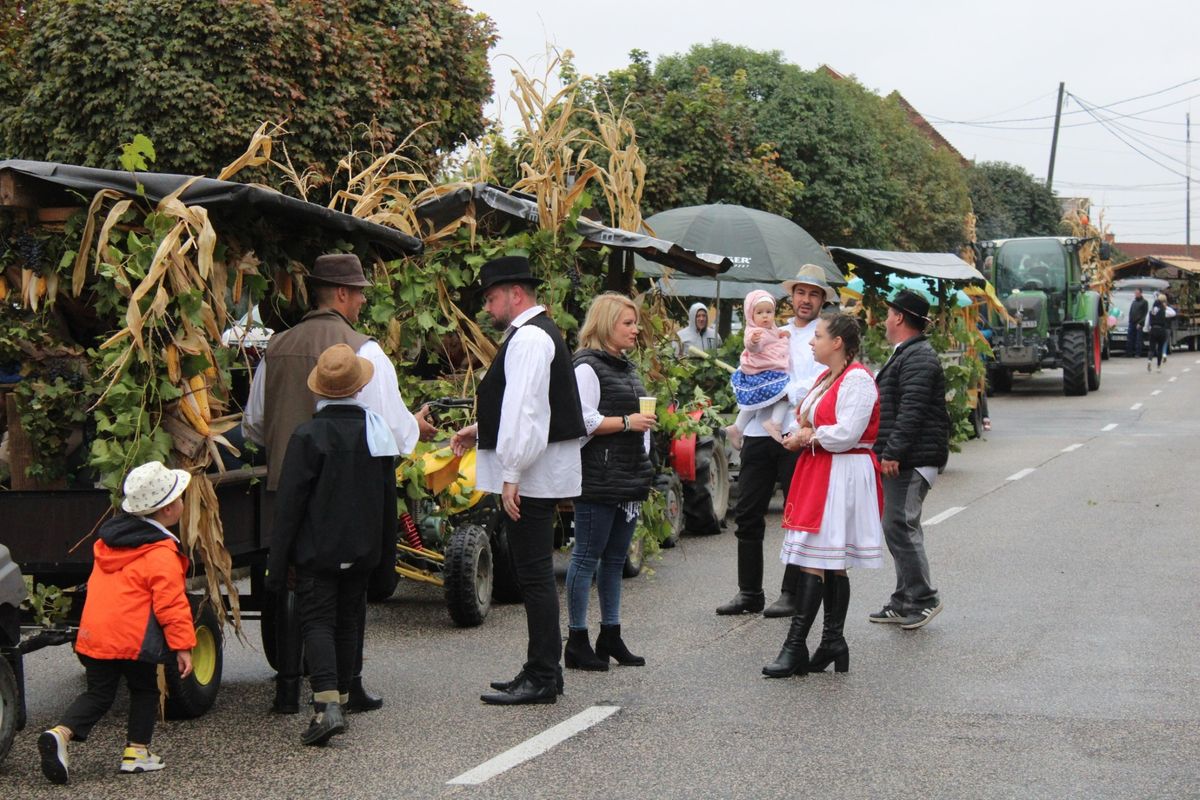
804,371
381,395
855,401
589,399
524,455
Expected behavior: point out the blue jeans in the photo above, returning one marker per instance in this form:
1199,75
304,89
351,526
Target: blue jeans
602,538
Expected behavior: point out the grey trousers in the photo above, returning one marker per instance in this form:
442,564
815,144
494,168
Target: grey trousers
903,497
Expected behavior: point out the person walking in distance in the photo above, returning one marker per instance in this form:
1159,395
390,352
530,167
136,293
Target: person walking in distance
1155,328
912,445
617,474
831,517
767,464
528,432
1138,307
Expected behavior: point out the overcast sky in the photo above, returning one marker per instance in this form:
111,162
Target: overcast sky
954,61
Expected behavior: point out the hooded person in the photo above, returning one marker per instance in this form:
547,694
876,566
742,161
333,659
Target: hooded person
698,333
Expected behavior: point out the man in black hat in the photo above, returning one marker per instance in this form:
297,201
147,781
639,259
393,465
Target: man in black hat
912,445
280,401
528,431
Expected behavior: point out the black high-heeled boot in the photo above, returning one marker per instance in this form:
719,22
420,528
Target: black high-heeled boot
793,658
578,653
609,643
833,648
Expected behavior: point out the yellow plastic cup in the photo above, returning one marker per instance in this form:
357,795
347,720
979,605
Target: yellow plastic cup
646,404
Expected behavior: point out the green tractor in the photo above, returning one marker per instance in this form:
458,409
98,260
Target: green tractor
1055,318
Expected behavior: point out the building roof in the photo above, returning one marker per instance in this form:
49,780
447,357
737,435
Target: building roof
1139,249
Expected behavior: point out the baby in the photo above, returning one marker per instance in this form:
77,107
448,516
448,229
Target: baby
760,384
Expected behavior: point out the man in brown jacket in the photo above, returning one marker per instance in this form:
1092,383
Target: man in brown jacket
280,401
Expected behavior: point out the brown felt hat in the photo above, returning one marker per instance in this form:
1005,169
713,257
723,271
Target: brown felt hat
340,373
338,269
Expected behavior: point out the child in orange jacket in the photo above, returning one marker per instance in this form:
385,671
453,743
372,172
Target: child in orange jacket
135,617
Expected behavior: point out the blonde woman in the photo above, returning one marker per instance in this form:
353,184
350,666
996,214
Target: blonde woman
617,474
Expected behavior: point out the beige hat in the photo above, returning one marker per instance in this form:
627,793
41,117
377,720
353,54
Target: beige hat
153,486
812,275
340,373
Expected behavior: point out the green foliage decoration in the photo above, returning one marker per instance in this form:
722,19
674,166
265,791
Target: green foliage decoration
48,605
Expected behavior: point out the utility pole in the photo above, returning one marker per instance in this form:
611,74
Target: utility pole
1187,247
1054,141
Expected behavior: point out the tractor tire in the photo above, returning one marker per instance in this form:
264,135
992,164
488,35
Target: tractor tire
505,586
191,697
1000,380
672,489
10,707
1075,357
467,575
719,481
701,506
635,559
1094,363
268,619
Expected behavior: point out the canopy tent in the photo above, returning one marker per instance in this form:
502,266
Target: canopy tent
1168,267
490,199
765,249
46,184
938,266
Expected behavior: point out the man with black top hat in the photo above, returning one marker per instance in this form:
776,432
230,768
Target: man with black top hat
529,423
280,401
912,445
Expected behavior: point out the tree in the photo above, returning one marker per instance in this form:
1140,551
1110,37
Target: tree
199,77
1009,202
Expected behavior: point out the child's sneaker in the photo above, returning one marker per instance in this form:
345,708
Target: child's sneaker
56,765
139,759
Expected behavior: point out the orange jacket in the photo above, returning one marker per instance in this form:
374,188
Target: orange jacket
136,607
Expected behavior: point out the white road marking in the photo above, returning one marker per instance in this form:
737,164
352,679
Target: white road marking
1135,406
1156,391
1072,448
531,748
1108,427
1172,379
1187,369
945,515
1016,476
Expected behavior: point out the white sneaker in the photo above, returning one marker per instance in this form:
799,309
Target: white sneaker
139,759
56,764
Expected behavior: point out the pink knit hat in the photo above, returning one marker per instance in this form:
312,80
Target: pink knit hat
753,299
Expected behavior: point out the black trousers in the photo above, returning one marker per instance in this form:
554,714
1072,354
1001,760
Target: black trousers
531,543
765,464
103,678
331,610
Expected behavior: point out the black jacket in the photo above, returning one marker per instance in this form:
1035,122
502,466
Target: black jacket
616,467
1137,310
336,503
914,425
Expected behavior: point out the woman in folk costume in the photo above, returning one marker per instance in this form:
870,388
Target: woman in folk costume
832,514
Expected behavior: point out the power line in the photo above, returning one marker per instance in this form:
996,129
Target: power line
1134,147
1107,122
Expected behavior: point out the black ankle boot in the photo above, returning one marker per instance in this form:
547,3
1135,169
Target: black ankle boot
833,648
785,606
793,658
609,643
287,695
361,699
578,653
750,598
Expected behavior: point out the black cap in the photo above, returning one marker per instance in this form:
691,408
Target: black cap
506,269
912,304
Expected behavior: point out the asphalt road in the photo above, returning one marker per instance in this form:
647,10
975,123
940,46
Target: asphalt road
1064,664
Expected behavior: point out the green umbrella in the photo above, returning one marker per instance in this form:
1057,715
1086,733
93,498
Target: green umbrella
764,247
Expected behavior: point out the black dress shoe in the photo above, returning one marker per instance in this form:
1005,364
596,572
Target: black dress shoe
524,692
327,723
504,686
361,699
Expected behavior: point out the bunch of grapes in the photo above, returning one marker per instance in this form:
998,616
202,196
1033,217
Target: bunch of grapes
575,276
30,249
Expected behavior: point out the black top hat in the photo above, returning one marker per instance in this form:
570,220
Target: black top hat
338,269
912,304
506,269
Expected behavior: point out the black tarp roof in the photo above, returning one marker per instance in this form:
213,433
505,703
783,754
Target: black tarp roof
214,195
523,207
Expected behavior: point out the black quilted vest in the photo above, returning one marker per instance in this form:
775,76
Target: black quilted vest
616,467
566,418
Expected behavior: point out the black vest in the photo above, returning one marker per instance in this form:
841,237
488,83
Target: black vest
566,418
616,467
1158,317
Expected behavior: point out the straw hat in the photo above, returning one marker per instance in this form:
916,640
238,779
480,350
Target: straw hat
340,373
153,486
812,275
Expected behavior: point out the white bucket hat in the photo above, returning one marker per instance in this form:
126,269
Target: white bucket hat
153,486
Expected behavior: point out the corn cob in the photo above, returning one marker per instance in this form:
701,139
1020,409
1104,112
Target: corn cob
171,356
198,391
190,408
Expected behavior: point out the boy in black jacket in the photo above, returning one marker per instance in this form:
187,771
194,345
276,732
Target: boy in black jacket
335,522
